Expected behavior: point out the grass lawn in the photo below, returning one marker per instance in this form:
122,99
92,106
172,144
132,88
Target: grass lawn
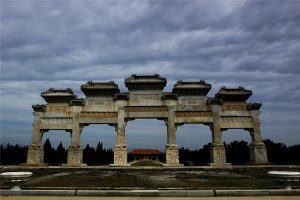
149,177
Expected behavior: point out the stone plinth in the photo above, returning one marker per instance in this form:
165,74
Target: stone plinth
35,155
172,156
218,156
75,154
120,155
258,153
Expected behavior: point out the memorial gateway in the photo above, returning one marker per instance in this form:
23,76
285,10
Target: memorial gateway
145,99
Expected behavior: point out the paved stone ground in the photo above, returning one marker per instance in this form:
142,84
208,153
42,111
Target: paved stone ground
149,198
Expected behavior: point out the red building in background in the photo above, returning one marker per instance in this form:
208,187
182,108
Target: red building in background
145,154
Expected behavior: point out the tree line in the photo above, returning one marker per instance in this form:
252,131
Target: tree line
237,152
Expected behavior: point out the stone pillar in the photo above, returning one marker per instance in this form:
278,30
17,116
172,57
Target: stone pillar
35,154
172,154
75,151
120,150
258,152
217,151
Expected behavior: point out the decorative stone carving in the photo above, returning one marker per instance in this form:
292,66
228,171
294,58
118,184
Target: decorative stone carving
172,155
120,155
193,114
258,153
236,122
35,155
240,107
146,108
98,115
218,156
75,156
56,120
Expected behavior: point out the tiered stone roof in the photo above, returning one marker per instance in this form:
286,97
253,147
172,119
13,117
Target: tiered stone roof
153,82
91,89
233,94
200,88
58,95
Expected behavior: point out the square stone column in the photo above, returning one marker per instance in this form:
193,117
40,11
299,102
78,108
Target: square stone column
120,155
217,151
258,153
35,155
218,156
120,150
172,154
75,151
75,156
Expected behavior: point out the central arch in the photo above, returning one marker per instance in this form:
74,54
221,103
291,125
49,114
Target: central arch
146,134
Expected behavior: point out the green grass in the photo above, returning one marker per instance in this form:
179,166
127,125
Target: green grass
150,178
146,163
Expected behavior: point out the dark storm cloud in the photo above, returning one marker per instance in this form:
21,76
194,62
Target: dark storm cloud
61,44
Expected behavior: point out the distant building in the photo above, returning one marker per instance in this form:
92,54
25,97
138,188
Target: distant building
145,154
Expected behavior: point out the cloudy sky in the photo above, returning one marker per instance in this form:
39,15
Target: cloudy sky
60,44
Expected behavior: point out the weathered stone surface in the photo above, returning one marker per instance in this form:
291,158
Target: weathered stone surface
145,99
35,155
75,155
218,154
258,153
120,155
172,155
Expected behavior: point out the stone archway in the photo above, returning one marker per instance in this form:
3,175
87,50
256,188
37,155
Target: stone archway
187,103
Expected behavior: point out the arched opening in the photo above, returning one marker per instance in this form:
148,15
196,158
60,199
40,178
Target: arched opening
145,134
56,143
97,141
237,145
194,141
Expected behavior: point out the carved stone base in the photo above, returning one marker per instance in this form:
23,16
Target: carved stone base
218,156
75,155
258,153
120,155
35,155
172,156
